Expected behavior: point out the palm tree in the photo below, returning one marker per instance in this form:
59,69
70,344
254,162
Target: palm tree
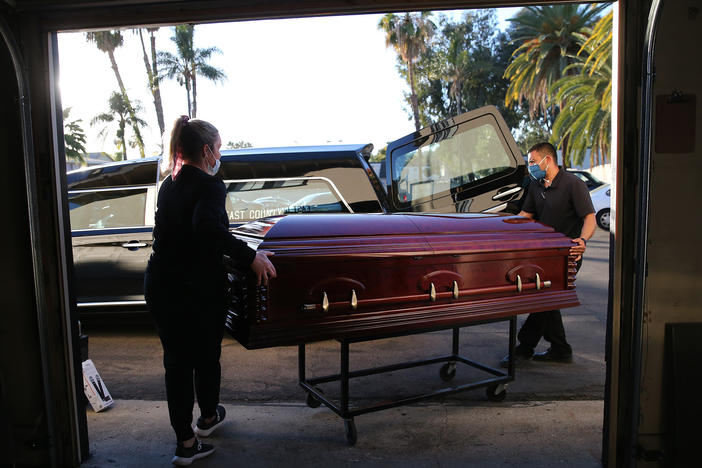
73,138
409,35
108,41
189,62
457,59
152,72
585,116
548,43
118,110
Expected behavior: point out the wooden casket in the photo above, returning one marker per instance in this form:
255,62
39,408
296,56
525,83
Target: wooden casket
350,276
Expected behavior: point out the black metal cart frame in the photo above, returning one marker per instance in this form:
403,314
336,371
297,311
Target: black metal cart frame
495,385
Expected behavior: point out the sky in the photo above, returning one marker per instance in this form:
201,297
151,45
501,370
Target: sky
303,81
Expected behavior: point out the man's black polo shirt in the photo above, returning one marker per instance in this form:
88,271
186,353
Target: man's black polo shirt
562,205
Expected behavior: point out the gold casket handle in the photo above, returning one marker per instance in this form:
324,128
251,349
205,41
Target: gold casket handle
432,293
325,302
542,284
455,290
519,283
354,300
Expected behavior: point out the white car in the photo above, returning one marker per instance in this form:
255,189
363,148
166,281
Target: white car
601,201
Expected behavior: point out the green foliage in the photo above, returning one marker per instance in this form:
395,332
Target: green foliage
547,44
380,155
188,63
409,35
239,144
531,132
586,96
462,69
120,110
73,138
108,41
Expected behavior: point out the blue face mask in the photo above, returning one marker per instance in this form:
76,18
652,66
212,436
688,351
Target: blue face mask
536,172
213,169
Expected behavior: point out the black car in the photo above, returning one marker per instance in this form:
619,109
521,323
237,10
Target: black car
590,180
466,164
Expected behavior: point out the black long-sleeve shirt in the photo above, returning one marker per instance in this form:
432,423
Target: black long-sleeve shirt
192,232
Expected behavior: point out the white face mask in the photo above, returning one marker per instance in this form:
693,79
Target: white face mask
213,169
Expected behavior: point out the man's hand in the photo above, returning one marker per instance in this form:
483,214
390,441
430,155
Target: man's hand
262,267
578,248
589,225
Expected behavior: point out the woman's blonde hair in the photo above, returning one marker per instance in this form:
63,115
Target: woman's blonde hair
188,137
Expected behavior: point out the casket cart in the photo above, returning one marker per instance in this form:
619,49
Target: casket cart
360,277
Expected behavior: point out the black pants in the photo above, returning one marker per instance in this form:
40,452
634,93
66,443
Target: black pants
548,325
190,327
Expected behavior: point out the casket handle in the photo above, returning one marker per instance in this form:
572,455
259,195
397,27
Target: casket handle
354,300
541,284
519,283
455,290
325,302
432,293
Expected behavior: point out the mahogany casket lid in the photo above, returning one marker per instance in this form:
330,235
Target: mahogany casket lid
401,231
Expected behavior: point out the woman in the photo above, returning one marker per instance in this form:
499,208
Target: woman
185,282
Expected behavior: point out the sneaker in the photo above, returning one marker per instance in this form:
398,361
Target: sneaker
186,455
520,356
553,356
203,429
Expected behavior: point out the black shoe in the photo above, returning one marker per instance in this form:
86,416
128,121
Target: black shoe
186,455
551,356
519,356
203,429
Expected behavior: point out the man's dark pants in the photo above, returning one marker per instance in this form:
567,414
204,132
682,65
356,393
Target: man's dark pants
548,325
190,328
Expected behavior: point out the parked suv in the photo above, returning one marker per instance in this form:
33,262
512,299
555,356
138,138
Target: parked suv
466,164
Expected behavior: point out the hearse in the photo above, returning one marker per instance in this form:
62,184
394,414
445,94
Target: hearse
466,164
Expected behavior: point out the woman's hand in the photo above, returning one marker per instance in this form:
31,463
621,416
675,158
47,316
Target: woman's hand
262,267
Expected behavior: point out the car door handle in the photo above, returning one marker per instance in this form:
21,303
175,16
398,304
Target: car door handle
506,192
134,245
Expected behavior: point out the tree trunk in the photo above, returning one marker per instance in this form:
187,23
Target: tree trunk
152,73
194,93
135,125
458,97
413,96
158,103
566,160
123,139
187,91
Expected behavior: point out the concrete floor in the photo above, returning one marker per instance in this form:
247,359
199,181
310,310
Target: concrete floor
135,433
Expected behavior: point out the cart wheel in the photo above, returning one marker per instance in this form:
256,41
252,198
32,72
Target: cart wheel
496,392
350,427
313,401
447,371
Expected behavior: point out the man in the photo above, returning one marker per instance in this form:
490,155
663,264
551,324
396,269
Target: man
560,200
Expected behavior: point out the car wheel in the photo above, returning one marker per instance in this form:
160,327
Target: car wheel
602,218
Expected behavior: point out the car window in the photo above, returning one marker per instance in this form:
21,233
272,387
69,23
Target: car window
460,156
249,200
104,209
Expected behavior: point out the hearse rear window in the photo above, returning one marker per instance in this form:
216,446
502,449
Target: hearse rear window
449,160
249,200
105,209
